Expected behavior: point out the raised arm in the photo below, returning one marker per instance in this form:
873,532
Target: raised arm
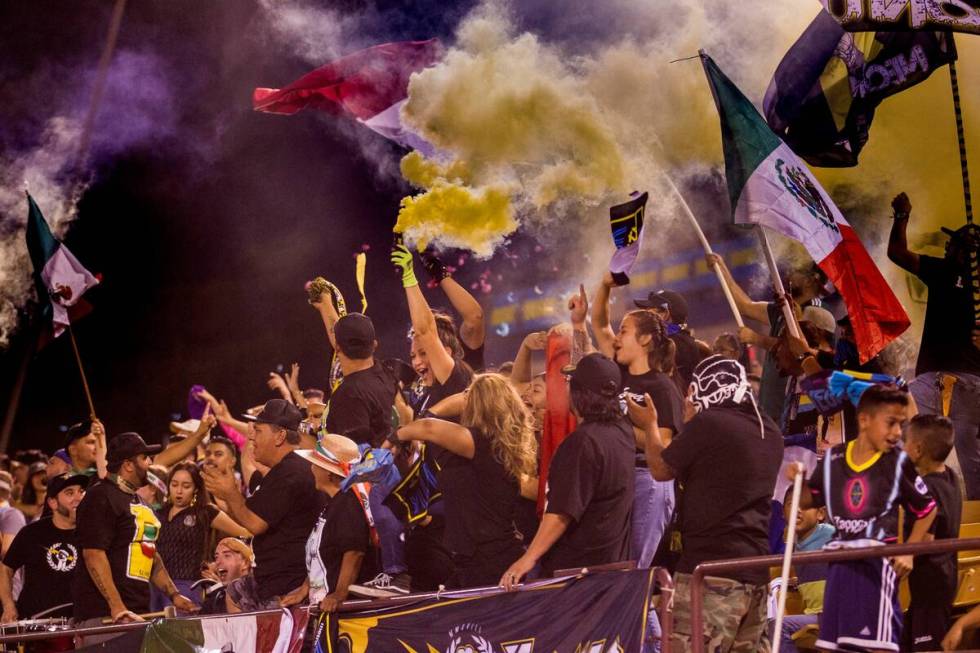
578,308
423,321
748,307
604,334
472,331
180,450
448,435
522,371
898,245
324,306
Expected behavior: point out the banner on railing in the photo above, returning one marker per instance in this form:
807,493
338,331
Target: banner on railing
597,613
248,633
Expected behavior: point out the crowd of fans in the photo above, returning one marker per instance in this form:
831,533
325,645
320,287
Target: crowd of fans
410,476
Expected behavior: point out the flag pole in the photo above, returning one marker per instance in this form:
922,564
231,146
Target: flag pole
788,555
958,112
777,285
707,250
81,371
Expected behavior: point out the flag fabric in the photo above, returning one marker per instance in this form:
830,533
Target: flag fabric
58,276
271,632
860,16
626,222
823,95
768,185
371,85
602,612
558,419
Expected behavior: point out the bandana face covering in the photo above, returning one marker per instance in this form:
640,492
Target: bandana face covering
718,380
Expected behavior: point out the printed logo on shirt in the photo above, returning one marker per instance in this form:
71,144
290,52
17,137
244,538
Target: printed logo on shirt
851,526
61,556
190,521
856,495
920,486
143,548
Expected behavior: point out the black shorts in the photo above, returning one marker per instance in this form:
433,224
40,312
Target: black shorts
925,627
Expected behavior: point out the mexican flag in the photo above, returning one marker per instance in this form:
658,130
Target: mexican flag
58,276
768,185
262,632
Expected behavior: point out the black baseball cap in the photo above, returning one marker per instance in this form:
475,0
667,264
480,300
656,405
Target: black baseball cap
58,483
354,331
280,413
128,445
78,431
669,300
597,373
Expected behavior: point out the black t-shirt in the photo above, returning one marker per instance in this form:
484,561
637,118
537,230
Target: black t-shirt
474,357
934,577
862,500
947,335
125,528
346,528
480,499
666,398
591,480
183,540
287,500
360,407
727,471
49,556
687,355
457,381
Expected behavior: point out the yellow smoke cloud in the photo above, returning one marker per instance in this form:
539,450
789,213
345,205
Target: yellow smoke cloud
458,216
508,112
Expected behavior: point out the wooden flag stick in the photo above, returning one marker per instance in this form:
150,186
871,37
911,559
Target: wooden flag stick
81,371
777,285
707,250
787,556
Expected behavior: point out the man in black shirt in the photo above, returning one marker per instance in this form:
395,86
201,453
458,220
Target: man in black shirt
47,551
722,515
117,535
590,481
360,407
950,351
280,513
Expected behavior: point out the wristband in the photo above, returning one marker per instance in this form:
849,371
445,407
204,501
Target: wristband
901,215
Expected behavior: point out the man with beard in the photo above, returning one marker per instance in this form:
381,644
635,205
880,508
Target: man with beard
117,534
232,560
947,378
47,551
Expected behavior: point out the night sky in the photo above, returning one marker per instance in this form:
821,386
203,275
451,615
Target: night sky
205,232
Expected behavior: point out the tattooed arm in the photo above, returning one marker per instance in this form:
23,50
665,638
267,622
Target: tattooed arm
97,564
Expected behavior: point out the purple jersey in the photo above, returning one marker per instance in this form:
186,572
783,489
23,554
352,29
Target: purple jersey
862,500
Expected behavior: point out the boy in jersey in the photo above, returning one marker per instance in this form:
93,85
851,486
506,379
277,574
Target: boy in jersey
862,483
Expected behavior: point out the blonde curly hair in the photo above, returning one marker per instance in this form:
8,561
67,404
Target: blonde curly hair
493,407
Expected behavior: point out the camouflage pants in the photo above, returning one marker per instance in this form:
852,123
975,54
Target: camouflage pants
734,616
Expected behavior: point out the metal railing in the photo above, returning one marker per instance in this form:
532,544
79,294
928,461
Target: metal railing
717,567
368,605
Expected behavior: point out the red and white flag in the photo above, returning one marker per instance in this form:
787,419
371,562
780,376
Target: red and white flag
371,85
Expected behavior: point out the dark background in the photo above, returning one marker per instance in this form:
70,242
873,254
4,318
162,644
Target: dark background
204,236
205,219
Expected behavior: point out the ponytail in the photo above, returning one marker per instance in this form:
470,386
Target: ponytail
661,351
